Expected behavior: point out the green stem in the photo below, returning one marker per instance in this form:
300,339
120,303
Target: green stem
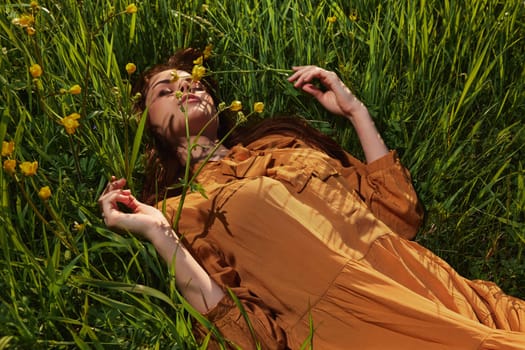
187,181
126,136
266,69
75,156
41,217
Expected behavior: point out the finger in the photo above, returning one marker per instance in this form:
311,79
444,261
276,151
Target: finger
109,201
312,90
128,200
308,74
294,76
114,184
299,72
109,185
300,78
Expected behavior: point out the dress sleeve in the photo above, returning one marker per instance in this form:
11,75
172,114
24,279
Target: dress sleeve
227,317
386,187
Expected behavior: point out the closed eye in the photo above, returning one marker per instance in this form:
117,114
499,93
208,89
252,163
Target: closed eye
165,92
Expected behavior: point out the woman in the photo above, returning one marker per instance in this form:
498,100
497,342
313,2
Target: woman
302,234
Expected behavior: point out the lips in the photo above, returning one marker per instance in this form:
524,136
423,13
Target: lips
189,98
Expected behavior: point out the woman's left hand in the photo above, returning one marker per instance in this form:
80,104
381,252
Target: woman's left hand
337,99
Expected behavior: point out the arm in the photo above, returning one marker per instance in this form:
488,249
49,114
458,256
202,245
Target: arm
383,183
196,284
386,187
149,223
339,100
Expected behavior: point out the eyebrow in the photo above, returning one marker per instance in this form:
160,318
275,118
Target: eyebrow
168,81
164,81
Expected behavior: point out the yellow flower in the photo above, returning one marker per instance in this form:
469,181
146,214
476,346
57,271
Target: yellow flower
353,16
258,107
131,68
236,106
332,19
75,89
136,97
197,72
131,8
24,21
241,118
198,60
10,166
30,31
7,148
207,51
174,76
29,168
34,5
35,70
71,123
79,227
44,193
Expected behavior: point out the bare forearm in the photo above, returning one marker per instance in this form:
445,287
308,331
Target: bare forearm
192,280
373,145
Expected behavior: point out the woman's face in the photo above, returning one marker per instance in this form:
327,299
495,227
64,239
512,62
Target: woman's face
169,101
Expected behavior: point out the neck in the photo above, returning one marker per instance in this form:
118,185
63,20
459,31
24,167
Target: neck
201,148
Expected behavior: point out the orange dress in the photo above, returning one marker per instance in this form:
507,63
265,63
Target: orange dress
319,254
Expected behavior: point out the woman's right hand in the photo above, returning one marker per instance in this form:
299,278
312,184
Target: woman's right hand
142,219
195,284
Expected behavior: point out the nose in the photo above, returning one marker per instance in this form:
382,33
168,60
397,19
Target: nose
191,86
185,86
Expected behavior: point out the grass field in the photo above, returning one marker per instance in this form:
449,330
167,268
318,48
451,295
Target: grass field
444,80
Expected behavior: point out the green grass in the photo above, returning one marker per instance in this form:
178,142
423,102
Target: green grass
444,80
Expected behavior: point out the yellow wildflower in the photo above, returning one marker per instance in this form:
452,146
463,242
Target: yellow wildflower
241,118
79,227
207,51
222,106
131,8
136,97
174,76
332,19
34,4
7,148
35,70
131,68
236,106
44,193
198,60
71,123
10,166
30,31
353,16
24,21
75,89
29,168
258,107
197,72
